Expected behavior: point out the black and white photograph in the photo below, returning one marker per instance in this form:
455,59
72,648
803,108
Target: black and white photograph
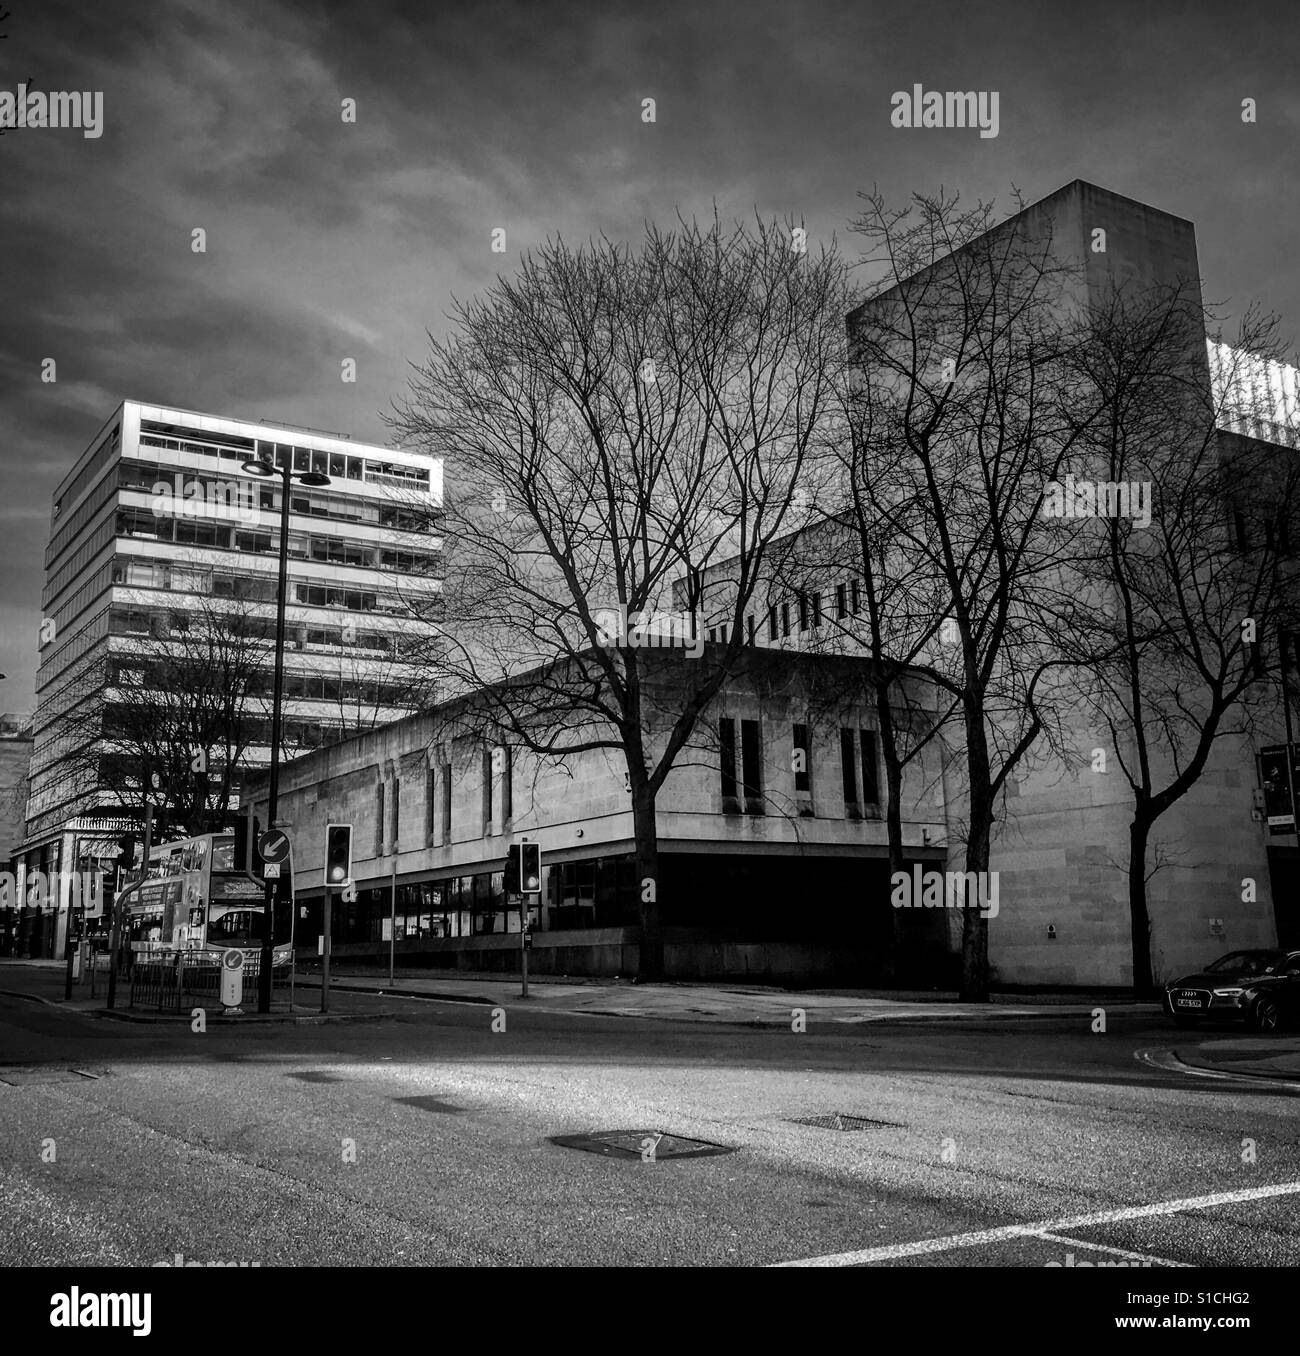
649,635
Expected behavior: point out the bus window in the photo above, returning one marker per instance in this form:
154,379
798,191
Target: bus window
235,927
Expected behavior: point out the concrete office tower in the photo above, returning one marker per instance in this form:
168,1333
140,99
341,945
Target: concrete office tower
155,526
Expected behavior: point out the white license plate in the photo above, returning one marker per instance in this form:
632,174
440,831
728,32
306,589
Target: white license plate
1188,1002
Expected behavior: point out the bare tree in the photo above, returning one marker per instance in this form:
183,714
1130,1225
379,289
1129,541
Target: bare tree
1178,608
962,415
180,712
614,422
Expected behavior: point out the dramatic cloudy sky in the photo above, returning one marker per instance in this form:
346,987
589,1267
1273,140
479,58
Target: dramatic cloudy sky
327,241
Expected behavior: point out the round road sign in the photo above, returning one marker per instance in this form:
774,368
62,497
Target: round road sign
273,846
233,960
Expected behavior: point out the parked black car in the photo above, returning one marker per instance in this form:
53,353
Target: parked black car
1261,988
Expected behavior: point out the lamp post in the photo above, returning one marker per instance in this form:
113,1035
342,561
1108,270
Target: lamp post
266,471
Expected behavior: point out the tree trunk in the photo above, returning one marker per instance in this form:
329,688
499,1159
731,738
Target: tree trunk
975,927
645,830
1139,833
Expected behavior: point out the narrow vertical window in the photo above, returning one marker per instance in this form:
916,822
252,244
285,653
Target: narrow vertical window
749,622
445,779
430,801
771,622
379,820
816,610
803,769
487,790
751,766
507,786
848,765
801,778
785,619
803,611
841,602
397,812
727,764
870,771
855,601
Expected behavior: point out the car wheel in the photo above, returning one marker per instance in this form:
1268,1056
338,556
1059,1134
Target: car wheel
1265,1015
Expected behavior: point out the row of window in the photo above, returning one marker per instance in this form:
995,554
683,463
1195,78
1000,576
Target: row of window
600,893
143,525
336,465
305,686
741,782
143,476
859,770
809,609
90,470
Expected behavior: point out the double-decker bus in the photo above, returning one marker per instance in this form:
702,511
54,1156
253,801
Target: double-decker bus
192,899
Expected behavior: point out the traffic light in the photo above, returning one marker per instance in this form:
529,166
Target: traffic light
126,852
338,853
512,869
530,868
1287,647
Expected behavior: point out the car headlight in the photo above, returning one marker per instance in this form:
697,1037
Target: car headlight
1228,993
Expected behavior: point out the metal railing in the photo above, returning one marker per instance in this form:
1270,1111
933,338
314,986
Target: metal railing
165,983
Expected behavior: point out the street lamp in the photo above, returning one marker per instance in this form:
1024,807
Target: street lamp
266,471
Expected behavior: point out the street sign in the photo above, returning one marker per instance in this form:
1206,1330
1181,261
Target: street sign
1275,774
271,870
232,979
273,847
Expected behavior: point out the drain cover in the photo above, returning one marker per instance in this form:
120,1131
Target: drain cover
839,1120
640,1144
430,1104
315,1076
21,1078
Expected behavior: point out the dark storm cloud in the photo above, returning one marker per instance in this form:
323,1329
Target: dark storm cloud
328,241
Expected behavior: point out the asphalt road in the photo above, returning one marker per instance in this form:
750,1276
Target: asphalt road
1000,1143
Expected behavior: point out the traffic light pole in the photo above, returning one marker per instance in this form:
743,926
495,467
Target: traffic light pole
523,940
273,790
325,953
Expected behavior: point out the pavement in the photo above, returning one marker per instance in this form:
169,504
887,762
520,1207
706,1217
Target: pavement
366,996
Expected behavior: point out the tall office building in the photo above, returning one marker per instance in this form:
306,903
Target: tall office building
156,531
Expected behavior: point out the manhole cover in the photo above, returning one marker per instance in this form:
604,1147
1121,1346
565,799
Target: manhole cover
641,1144
430,1104
839,1120
315,1076
21,1078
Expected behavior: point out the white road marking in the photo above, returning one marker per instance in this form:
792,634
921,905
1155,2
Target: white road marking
922,1247
1114,1252
1168,1062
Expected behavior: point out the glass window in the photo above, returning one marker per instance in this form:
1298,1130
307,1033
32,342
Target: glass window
870,773
301,460
356,468
751,766
320,462
850,772
727,763
802,775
